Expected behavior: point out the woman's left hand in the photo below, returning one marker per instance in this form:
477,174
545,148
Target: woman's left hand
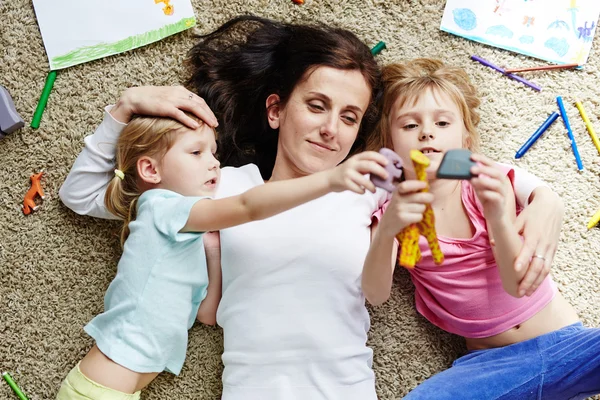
539,224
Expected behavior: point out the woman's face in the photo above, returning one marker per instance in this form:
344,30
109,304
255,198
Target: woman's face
320,122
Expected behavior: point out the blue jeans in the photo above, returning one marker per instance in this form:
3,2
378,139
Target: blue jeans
560,365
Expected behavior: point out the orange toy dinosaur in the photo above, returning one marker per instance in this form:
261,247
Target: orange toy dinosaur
36,189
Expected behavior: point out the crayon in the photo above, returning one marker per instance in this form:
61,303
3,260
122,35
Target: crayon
563,114
594,221
588,125
377,48
37,116
13,386
537,134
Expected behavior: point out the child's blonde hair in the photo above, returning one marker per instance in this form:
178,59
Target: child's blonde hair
405,82
143,136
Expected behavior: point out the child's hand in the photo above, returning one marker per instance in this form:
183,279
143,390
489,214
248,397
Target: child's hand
350,175
406,207
490,185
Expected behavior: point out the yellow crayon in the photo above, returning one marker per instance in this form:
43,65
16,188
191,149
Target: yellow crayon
588,125
595,219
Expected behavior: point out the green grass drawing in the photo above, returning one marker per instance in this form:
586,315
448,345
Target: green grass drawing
89,53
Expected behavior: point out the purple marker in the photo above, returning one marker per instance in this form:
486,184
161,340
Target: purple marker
502,71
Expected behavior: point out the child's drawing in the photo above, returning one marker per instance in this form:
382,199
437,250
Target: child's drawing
76,31
559,31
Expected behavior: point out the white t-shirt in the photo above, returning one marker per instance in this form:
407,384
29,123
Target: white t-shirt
292,311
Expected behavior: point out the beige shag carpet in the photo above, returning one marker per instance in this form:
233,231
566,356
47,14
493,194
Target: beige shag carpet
55,266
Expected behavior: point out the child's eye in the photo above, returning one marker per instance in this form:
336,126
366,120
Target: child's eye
196,153
443,123
410,126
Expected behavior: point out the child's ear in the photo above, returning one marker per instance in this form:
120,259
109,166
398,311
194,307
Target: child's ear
273,110
147,170
467,141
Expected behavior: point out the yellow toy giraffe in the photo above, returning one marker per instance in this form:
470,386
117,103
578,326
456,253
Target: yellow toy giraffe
409,236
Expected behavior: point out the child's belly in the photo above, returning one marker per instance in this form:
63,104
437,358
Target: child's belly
556,315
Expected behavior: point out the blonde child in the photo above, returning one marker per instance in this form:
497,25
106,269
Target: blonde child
528,347
165,177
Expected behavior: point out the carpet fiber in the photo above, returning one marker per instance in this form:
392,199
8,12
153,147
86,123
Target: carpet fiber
56,266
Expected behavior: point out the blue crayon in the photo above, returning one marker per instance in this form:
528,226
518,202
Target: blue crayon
537,134
563,114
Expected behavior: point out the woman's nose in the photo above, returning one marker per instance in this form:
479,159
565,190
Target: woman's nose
330,127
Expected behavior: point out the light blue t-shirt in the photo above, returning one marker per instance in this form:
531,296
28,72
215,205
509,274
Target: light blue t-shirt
161,281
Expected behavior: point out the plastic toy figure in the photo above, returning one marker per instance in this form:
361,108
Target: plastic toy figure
10,120
36,189
394,170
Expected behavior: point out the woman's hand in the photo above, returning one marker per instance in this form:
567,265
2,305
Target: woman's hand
539,224
490,185
406,207
163,101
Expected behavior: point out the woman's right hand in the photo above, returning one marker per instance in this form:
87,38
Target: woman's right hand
406,207
163,101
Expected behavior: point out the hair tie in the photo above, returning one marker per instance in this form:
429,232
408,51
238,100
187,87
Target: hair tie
119,174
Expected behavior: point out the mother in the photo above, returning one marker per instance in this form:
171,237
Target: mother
291,100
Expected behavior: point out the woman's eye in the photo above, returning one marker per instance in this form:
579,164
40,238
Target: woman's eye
317,107
350,120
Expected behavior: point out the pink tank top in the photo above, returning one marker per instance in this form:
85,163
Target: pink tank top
464,295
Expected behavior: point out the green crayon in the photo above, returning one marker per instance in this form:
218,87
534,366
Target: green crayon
37,116
14,386
377,48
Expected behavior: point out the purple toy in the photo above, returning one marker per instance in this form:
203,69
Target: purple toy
394,169
10,120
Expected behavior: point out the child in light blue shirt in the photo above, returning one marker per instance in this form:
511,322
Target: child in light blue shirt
166,175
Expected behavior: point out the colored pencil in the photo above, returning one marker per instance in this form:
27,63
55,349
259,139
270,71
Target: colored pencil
512,76
541,68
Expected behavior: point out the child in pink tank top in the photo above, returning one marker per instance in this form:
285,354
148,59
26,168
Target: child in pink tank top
522,347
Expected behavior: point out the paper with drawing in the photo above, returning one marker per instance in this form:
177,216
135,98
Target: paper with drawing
77,31
559,31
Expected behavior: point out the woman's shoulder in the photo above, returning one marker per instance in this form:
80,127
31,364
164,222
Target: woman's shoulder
238,179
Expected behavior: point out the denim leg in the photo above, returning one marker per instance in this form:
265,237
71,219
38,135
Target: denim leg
572,364
511,372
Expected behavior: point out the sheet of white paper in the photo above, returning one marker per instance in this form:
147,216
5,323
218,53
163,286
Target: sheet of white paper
77,31
559,31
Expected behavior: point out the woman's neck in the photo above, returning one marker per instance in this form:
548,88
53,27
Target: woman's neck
281,171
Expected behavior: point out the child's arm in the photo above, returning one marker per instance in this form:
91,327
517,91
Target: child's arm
406,207
207,312
275,197
496,195
85,186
